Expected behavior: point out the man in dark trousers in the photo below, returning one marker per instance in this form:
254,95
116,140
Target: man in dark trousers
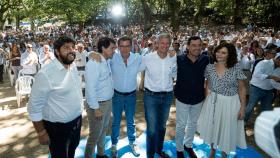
55,105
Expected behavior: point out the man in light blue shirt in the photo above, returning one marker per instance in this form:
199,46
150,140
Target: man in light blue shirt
125,66
99,92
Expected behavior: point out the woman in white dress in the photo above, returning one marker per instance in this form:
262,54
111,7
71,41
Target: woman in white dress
221,120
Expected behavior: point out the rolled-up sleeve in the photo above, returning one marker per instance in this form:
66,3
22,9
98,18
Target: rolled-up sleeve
39,96
92,73
260,71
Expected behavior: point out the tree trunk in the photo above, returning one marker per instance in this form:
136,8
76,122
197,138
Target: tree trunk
147,15
174,6
200,12
237,19
2,24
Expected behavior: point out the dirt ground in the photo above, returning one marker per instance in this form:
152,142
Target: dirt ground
19,140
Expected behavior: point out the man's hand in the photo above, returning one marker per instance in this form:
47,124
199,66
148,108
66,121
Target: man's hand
98,114
95,56
275,78
43,138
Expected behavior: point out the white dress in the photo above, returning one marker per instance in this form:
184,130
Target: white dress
218,122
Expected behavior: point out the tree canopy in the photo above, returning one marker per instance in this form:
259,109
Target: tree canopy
176,12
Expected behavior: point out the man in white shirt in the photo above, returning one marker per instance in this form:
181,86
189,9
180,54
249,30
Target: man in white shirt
46,56
81,57
55,105
247,60
99,93
261,88
159,72
29,61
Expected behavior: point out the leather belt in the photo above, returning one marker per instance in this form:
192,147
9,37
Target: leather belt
124,93
157,93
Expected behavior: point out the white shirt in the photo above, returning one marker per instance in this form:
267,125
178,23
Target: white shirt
81,58
159,73
44,60
245,62
56,94
263,69
29,62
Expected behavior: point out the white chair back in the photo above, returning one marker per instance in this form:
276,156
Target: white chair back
23,84
23,87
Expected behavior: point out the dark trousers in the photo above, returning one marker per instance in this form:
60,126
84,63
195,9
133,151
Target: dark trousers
1,72
64,137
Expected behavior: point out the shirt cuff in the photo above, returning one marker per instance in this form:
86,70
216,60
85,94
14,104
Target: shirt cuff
94,105
36,117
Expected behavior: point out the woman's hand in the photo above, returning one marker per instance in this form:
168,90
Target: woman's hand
241,113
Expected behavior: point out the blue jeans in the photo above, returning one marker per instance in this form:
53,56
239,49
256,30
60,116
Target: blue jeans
255,95
157,108
126,103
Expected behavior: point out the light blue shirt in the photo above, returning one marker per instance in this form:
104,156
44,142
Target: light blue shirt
99,84
125,76
56,94
262,70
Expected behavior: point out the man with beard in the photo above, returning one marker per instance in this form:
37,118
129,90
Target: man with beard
55,105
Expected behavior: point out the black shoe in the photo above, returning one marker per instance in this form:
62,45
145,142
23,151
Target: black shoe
180,154
103,156
190,152
163,154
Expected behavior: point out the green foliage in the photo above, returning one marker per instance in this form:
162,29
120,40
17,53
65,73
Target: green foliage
145,11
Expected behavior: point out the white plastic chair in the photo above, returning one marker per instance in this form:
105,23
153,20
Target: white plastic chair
23,87
6,66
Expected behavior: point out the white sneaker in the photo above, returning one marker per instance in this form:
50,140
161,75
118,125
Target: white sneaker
114,151
134,150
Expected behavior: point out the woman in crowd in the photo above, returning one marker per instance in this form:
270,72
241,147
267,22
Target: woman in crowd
221,120
15,61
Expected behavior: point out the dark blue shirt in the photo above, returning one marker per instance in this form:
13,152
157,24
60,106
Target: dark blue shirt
189,88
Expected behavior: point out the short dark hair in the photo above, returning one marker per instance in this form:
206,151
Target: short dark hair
124,38
232,55
105,43
60,42
193,38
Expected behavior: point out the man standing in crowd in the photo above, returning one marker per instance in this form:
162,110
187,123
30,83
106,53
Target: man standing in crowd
159,72
2,60
29,61
55,105
260,86
46,56
81,57
99,93
125,66
189,93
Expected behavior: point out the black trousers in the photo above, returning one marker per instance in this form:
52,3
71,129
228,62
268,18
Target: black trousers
1,72
64,137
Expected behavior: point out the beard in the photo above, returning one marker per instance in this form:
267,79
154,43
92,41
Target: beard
68,59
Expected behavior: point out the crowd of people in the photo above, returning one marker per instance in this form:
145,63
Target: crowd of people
219,77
